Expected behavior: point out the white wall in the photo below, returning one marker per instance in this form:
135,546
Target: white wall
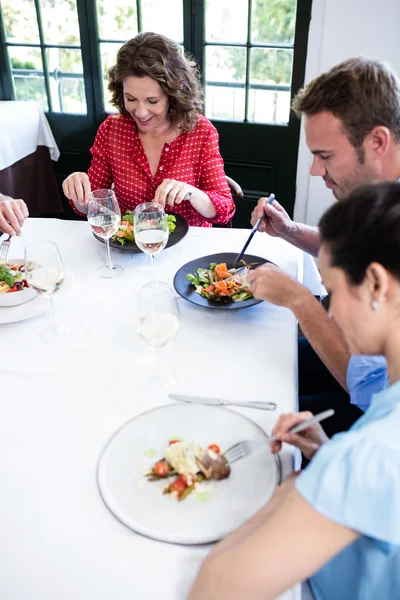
341,29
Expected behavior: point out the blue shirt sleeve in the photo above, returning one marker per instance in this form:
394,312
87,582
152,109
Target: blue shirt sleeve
355,481
366,375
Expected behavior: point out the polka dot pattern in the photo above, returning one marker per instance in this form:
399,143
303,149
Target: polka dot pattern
194,158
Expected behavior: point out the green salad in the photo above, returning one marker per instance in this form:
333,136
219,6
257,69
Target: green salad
126,233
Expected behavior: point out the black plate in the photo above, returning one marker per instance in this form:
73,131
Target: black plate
187,290
181,229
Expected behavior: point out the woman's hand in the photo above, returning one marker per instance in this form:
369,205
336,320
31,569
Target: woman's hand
12,215
77,188
171,192
308,441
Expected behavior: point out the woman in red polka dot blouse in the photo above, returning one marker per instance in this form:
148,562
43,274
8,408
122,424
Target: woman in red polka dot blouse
159,146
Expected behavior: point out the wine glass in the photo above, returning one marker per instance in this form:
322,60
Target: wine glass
158,324
104,217
44,272
150,225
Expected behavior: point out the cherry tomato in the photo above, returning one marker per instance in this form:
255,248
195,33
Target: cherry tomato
214,448
13,289
161,468
179,485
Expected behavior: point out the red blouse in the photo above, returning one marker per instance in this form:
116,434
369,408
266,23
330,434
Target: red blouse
193,158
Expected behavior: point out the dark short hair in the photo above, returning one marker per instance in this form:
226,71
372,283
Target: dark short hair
156,56
362,93
364,228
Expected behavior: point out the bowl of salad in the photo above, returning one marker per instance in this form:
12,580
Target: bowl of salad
14,289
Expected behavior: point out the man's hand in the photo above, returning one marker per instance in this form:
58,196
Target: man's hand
12,215
308,441
276,223
270,283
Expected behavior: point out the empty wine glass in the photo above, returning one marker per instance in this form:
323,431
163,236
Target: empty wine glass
44,272
158,324
104,217
150,224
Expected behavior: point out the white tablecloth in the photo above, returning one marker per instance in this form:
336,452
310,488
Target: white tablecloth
23,127
59,406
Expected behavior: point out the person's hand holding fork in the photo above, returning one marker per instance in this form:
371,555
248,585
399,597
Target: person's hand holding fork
12,215
308,441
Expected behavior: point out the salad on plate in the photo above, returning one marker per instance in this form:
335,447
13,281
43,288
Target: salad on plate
12,278
213,283
190,465
126,233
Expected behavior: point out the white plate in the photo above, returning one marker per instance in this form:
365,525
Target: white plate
140,505
35,307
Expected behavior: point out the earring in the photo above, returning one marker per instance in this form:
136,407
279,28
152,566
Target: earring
375,305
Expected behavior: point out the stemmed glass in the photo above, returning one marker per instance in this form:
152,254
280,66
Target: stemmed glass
104,217
44,272
150,224
158,324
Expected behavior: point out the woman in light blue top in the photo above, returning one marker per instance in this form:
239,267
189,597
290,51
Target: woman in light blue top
338,522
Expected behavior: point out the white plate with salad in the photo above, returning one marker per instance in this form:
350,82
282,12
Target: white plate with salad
14,289
209,509
124,239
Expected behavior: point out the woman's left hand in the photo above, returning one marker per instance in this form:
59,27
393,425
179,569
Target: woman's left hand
171,192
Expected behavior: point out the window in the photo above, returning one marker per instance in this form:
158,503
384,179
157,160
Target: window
43,49
249,59
121,20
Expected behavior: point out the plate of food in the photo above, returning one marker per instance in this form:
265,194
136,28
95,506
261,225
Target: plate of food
14,289
210,281
156,473
124,239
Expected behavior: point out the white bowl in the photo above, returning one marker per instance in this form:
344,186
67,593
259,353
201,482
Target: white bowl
16,298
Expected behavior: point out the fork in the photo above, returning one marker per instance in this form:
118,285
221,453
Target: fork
4,248
245,447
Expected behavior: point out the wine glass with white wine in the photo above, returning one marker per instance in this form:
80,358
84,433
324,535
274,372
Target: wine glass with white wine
44,272
150,225
104,217
158,324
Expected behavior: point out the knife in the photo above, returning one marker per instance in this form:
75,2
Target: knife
221,402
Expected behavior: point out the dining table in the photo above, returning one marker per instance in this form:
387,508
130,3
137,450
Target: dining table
27,152
61,402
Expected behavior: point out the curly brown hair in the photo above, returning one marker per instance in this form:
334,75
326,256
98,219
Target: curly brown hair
156,56
362,93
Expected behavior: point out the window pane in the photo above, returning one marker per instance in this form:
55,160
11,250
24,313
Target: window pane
108,54
225,103
163,17
273,21
268,106
226,21
270,68
225,64
117,19
20,21
60,22
28,74
66,80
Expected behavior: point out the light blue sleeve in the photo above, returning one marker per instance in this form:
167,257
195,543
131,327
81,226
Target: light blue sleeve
366,375
356,482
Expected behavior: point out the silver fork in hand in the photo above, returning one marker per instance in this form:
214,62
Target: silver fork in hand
4,248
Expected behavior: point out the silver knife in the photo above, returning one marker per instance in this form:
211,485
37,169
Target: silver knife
221,402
